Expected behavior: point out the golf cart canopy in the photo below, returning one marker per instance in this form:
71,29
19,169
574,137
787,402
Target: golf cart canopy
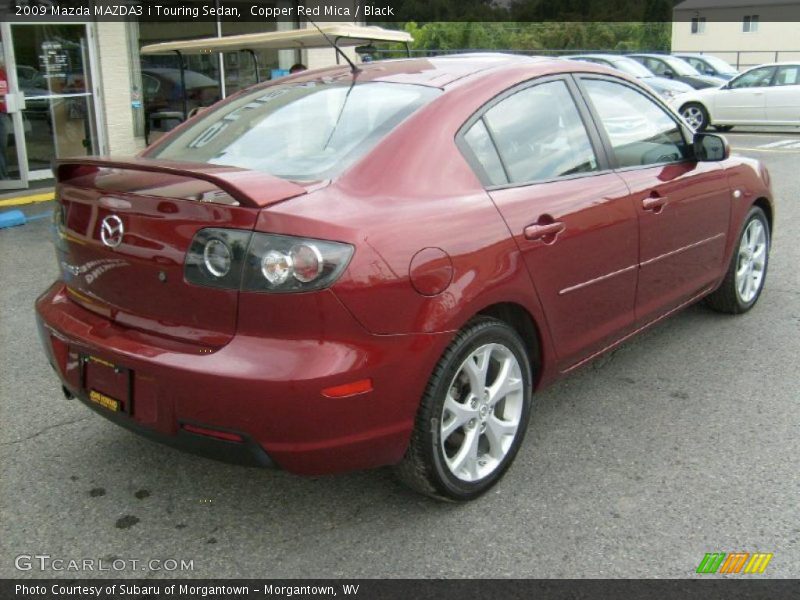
341,35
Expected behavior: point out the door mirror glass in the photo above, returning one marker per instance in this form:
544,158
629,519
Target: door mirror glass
709,147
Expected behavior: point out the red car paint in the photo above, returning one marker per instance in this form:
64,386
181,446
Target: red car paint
433,248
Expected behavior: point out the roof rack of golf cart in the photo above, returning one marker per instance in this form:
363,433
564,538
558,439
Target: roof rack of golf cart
342,35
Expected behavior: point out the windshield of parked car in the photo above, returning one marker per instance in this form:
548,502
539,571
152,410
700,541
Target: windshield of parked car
303,132
680,67
719,65
631,67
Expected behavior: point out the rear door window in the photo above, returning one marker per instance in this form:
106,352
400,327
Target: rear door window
538,134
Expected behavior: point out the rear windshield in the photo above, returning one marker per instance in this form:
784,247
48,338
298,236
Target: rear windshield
302,132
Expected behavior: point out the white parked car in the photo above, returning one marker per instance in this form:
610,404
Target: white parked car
763,95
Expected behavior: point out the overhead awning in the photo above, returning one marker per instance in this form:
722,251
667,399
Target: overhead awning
341,35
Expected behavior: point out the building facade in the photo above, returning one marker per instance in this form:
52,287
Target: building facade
744,33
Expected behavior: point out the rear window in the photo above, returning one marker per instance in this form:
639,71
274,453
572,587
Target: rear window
303,132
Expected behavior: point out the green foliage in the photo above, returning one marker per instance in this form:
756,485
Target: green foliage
532,37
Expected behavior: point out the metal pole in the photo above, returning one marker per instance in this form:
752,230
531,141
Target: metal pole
220,57
183,85
255,62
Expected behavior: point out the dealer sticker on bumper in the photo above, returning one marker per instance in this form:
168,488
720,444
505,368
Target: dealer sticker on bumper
103,400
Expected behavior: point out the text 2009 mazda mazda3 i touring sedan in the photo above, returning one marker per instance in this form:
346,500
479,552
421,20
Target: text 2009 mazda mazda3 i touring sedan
344,270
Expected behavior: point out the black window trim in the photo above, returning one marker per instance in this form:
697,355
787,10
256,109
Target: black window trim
685,130
599,149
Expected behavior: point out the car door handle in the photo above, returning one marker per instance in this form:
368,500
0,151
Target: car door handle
546,233
654,203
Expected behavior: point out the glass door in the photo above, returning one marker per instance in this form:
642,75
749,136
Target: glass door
53,70
13,160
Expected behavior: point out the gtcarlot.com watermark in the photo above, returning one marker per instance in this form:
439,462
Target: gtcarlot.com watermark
46,562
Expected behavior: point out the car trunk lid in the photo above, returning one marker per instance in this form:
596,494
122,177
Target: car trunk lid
123,230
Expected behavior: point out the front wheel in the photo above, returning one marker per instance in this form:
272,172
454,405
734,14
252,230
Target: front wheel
695,115
473,415
747,272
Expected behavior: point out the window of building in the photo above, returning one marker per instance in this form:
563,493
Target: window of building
750,23
698,25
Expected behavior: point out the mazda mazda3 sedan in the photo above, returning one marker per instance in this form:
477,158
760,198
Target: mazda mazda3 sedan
342,270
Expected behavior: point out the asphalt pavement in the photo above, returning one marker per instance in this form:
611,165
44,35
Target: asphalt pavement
683,441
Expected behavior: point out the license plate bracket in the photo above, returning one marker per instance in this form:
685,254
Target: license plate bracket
106,384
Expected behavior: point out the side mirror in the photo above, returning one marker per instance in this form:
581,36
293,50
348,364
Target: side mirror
709,147
669,73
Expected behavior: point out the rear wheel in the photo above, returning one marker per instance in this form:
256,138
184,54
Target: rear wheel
473,415
747,272
696,116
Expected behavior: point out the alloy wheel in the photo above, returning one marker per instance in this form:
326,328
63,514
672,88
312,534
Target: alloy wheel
482,412
694,116
752,261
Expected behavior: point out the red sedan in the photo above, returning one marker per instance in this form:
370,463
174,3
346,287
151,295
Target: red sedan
343,270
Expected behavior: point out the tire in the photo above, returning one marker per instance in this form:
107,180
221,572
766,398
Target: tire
747,273
723,128
463,443
696,115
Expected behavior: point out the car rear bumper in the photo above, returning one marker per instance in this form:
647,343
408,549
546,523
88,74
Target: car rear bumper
259,398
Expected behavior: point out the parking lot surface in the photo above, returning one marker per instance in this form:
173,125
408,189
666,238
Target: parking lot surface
683,441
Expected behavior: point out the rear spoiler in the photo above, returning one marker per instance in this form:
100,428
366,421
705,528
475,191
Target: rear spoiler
255,189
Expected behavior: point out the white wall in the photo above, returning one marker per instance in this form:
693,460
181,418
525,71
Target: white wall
778,31
114,87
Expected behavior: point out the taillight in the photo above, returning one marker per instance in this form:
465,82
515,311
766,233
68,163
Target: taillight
216,257
264,262
282,263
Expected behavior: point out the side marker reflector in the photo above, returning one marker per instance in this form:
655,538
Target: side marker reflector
362,386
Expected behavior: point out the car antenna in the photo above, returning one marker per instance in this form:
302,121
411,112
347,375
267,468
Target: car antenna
353,68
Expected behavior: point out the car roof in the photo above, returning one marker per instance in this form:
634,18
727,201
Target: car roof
600,55
438,71
774,64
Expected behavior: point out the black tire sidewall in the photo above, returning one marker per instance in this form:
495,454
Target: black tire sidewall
447,483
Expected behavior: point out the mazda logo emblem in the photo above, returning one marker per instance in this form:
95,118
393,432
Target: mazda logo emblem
111,231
